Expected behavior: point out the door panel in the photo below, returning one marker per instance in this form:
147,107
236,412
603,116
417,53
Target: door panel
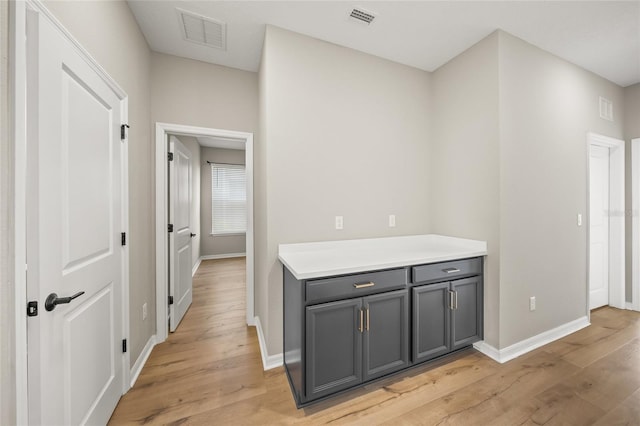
74,214
333,347
180,261
599,226
386,335
465,316
431,319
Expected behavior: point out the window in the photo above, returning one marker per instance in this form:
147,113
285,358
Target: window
228,199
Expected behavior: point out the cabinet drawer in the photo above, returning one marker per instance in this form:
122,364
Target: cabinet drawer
355,285
446,270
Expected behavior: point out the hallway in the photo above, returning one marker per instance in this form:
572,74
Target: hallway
210,372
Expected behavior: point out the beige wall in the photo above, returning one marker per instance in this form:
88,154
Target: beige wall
219,244
631,131
465,160
7,294
111,35
196,93
346,134
193,146
547,106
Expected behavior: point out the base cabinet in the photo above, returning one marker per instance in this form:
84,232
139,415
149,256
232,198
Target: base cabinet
355,340
446,317
343,331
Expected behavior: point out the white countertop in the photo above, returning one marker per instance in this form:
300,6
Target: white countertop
322,259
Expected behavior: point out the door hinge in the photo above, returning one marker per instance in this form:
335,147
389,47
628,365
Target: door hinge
171,300
170,156
123,238
32,309
170,227
124,345
123,132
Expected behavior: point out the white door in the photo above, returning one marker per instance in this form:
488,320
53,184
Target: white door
599,226
74,221
180,283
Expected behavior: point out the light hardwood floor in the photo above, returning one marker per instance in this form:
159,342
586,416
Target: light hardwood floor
210,372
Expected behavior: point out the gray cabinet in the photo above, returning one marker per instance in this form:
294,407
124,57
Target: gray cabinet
343,331
355,340
446,316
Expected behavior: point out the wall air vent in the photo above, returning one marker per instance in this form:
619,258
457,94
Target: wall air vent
606,109
202,30
363,16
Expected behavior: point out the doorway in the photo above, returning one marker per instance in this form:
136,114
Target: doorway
606,247
635,225
163,130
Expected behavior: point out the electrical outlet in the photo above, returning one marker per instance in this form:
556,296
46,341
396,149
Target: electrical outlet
532,303
339,222
144,311
392,220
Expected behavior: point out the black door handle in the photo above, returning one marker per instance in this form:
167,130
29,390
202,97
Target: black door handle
193,235
53,300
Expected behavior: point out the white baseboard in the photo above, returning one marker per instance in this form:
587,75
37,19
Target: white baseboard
268,361
142,359
222,256
527,345
196,266
629,306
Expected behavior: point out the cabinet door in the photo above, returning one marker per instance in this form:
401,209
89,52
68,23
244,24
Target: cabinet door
431,321
333,347
466,316
386,333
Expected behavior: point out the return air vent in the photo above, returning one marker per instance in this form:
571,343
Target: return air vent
362,16
202,30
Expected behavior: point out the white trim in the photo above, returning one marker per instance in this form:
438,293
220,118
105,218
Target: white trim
527,345
629,306
196,266
268,361
162,129
142,360
222,256
635,224
616,218
18,86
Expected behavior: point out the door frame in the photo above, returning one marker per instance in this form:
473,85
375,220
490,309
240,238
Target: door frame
635,225
162,216
616,217
20,123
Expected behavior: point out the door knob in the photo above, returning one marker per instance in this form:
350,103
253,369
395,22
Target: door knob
193,235
53,300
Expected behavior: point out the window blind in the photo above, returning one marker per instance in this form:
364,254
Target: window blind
228,199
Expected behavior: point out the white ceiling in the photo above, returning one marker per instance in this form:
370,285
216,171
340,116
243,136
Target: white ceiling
600,36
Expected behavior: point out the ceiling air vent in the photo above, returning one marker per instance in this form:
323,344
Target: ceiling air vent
361,15
202,30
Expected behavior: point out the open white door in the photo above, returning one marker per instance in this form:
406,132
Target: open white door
74,217
180,278
599,226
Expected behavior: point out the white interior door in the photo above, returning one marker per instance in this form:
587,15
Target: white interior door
75,360
599,226
180,279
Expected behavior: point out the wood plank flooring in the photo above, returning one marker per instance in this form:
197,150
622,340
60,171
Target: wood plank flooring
209,372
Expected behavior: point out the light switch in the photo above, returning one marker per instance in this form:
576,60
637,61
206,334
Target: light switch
392,220
339,222
579,219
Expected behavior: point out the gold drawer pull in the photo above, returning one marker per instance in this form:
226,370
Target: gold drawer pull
451,270
365,285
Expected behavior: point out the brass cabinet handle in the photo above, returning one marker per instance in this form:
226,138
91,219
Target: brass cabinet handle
365,285
451,270
367,327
